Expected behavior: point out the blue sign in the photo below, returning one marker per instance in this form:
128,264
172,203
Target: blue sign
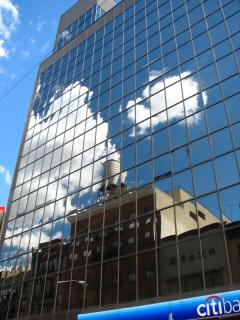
221,304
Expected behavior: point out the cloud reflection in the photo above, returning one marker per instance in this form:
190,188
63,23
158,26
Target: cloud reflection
167,94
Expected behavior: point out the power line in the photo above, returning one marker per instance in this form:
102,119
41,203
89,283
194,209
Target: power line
34,67
23,77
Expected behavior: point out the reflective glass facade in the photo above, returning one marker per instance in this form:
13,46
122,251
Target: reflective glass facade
79,25
128,175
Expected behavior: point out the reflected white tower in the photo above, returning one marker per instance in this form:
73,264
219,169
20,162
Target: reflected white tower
113,180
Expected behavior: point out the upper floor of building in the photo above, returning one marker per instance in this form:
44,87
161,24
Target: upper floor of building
78,18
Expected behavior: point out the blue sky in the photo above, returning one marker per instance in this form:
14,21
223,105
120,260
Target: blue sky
27,32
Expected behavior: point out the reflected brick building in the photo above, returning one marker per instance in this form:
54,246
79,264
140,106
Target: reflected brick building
126,189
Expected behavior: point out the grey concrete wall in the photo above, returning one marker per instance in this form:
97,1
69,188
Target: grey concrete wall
78,10
114,12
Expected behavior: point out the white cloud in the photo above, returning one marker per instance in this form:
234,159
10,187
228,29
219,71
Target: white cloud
164,94
28,239
171,96
101,132
6,174
3,51
62,94
40,24
25,54
32,40
9,19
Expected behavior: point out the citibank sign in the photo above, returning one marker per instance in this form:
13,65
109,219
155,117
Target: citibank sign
216,306
220,304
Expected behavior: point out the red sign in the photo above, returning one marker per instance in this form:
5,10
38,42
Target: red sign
2,210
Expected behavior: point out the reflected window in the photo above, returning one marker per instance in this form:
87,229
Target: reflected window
143,150
208,76
146,270
204,178
160,142
216,117
180,159
178,134
221,142
233,108
144,174
227,67
236,135
226,170
218,33
200,151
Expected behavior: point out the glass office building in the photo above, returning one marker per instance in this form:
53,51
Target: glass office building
127,188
